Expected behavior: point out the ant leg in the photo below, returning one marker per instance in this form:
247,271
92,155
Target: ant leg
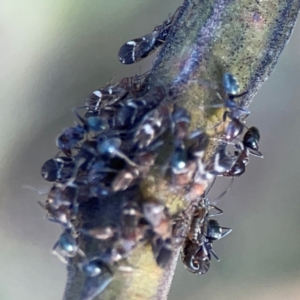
219,211
214,254
228,230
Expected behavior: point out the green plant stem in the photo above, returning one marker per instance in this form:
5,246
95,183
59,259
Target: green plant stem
208,38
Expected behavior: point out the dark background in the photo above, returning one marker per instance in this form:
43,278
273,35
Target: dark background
54,53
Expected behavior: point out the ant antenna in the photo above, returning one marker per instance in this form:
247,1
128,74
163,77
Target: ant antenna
41,192
110,81
225,192
211,185
75,112
222,194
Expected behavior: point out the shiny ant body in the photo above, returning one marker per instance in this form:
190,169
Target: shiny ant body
197,248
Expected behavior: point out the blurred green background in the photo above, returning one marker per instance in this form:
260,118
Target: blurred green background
54,53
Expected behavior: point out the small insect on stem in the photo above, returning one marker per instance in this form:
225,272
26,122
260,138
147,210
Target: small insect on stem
67,246
236,114
197,247
139,48
249,145
98,277
70,138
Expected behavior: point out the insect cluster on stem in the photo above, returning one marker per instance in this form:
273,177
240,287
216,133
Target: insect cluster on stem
125,131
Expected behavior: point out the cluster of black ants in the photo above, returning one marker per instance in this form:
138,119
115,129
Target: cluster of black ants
114,145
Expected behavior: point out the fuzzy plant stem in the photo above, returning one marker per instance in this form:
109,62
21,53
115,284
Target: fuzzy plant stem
207,39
